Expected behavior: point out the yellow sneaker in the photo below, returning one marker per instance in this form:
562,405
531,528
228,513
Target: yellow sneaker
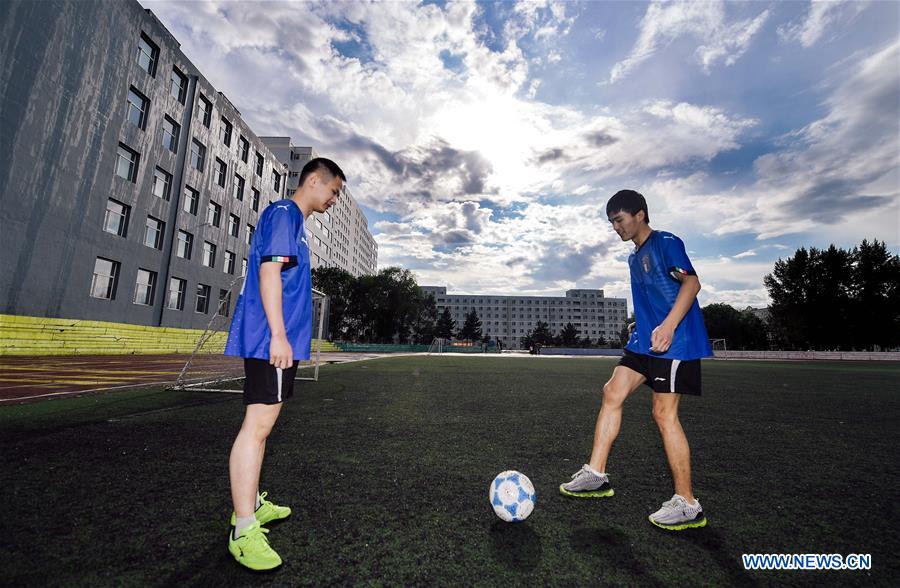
252,549
267,511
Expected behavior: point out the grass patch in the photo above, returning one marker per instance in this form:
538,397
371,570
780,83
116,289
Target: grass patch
387,463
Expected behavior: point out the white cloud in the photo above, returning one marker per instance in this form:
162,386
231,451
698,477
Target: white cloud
838,166
821,16
704,21
748,253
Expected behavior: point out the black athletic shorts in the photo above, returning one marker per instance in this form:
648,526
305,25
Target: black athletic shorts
665,375
266,384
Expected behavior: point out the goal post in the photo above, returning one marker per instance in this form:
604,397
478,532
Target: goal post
718,344
197,375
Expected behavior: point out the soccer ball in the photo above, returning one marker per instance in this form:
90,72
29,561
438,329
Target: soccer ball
512,495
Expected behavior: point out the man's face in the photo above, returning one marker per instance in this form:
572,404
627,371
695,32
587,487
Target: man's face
625,224
325,191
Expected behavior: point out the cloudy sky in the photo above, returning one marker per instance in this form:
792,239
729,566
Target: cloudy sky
483,139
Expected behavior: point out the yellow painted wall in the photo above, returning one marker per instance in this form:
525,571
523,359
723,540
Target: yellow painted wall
27,335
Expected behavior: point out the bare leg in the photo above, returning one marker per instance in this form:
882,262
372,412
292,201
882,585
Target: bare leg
246,458
623,382
678,452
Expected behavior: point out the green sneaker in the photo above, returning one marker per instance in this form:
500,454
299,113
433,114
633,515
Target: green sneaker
267,511
252,549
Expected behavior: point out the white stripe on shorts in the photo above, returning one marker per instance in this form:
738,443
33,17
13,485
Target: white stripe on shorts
278,373
675,363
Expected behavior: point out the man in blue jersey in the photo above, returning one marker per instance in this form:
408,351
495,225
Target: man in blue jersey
271,330
667,341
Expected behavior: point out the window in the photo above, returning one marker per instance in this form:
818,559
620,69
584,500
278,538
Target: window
185,244
234,224
225,132
213,214
191,200
224,302
105,279
259,164
144,287
276,181
137,108
230,258
318,223
209,254
198,154
244,267
177,290
162,183
244,149
250,229
153,232
115,220
127,163
238,187
171,129
317,241
148,54
205,107
178,89
202,299
254,199
220,170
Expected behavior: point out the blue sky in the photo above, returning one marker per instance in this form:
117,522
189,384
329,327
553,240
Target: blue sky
483,139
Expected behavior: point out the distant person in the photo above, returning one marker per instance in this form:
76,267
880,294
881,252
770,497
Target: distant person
666,342
272,330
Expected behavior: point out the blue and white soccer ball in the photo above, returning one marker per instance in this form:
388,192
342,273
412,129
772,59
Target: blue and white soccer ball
512,496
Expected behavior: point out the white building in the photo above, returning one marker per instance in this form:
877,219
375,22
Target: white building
510,318
339,237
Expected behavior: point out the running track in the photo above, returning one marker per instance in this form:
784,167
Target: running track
24,379
42,377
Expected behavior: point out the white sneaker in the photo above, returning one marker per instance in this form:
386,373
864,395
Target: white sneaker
677,515
586,484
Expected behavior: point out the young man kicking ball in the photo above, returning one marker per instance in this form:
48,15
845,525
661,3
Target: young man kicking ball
271,330
667,341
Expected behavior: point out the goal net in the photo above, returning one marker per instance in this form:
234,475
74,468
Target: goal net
208,370
438,345
718,344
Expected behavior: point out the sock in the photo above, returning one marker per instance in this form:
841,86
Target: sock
593,471
258,501
242,523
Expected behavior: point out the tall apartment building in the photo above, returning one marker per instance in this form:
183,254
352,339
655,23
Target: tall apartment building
510,318
129,186
339,237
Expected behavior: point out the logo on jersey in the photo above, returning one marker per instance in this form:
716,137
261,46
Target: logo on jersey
645,263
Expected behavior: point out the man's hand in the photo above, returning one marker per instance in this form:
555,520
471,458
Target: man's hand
661,338
630,328
280,353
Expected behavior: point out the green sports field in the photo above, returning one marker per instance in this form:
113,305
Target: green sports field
387,463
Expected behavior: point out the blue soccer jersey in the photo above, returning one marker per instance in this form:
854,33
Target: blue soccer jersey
281,237
654,287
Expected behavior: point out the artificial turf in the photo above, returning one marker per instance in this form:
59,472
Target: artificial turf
387,463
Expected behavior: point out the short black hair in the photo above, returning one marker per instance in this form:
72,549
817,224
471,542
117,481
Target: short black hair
318,164
629,201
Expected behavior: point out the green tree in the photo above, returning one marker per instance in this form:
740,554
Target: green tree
424,323
875,315
446,326
338,285
541,333
385,305
740,329
568,337
471,330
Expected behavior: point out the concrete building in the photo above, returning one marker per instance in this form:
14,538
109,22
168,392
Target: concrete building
129,186
510,318
339,237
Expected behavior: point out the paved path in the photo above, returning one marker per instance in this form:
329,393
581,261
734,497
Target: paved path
35,377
